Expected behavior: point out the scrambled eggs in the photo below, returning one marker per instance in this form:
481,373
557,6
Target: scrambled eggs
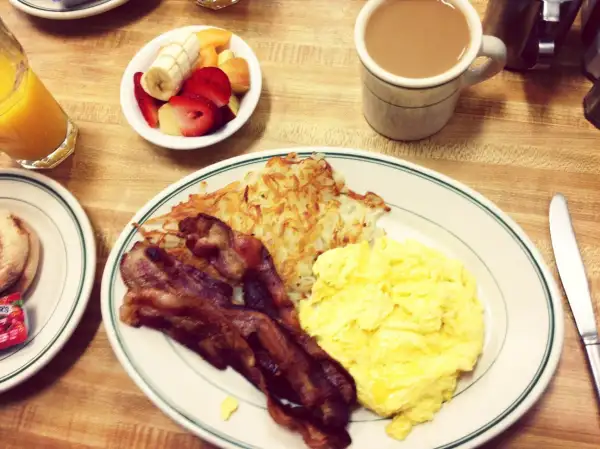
403,319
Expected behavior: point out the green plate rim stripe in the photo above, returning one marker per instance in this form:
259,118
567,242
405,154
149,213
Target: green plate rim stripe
81,7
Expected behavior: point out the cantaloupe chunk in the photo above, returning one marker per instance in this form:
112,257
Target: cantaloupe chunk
213,37
238,72
208,58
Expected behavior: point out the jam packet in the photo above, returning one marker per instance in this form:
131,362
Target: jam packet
13,321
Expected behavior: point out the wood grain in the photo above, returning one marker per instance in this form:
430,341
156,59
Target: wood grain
516,138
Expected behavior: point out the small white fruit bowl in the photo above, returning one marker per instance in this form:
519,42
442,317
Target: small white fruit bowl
142,61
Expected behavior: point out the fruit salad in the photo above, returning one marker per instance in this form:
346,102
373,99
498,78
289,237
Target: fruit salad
194,85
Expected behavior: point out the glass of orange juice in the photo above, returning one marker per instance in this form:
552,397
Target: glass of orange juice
34,130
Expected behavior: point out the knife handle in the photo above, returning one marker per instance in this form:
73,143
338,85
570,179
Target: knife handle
593,354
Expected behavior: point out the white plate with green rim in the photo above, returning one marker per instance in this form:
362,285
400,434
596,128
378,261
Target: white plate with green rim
59,294
57,10
520,353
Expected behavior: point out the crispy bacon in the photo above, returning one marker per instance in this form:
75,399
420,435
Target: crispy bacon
149,266
243,258
233,254
210,337
314,437
196,310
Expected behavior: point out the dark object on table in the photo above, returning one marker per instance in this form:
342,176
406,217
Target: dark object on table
532,30
591,59
590,21
591,105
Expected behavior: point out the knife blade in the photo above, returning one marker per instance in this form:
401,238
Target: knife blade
574,280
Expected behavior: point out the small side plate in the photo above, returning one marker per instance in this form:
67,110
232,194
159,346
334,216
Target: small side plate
59,294
49,9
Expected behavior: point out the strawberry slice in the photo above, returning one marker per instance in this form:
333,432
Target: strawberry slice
196,114
148,105
211,83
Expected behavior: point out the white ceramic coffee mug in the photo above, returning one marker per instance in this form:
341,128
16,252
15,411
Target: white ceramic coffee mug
414,108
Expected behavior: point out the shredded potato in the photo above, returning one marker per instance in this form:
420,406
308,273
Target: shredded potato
298,208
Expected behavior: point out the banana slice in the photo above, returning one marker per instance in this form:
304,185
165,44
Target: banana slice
171,67
163,79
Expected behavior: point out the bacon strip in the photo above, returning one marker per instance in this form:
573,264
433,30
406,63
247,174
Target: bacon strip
196,310
149,266
243,258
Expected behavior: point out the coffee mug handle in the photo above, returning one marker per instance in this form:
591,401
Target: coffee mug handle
494,49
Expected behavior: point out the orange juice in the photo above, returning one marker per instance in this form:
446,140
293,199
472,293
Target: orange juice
32,124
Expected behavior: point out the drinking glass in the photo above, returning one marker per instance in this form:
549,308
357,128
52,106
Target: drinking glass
34,130
216,4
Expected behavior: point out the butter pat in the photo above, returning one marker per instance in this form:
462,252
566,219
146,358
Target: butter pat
228,408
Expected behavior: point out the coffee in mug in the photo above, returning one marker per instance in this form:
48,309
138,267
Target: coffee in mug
416,57
417,38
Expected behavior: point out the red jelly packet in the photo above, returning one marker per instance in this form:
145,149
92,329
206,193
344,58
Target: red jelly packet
13,321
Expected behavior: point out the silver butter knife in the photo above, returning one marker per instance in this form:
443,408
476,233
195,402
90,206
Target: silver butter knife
574,280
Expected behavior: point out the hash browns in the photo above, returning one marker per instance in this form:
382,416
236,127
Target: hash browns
299,208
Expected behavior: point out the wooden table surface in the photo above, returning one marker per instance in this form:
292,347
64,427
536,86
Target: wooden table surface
516,139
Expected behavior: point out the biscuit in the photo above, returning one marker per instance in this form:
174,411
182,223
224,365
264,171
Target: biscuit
31,266
14,249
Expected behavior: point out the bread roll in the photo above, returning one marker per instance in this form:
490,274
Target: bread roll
31,266
14,249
